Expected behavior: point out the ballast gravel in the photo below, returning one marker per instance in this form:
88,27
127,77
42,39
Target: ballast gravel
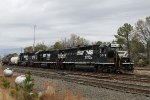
86,91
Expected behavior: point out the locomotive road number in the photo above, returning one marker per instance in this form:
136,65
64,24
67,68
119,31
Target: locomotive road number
102,55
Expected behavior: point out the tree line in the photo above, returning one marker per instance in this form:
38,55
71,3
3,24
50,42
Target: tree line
135,39
73,41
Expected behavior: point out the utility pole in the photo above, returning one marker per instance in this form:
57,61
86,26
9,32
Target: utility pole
34,39
21,49
148,48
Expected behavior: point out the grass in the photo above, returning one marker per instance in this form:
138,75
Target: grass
50,92
10,91
4,86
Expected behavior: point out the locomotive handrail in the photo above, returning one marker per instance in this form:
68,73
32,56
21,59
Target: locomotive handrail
117,60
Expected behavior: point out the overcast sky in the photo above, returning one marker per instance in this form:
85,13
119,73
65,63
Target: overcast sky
56,19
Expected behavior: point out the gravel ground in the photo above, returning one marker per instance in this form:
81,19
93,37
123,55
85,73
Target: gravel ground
142,72
87,92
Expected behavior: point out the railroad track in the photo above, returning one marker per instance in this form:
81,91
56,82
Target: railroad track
120,77
146,69
93,80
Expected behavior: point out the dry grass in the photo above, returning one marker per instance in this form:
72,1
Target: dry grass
4,93
51,94
142,72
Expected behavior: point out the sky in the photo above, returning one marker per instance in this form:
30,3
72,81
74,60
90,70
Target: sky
94,20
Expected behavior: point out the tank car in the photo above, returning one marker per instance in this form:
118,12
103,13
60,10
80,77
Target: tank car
6,59
14,60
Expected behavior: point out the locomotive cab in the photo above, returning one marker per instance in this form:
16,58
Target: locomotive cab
26,59
114,59
122,60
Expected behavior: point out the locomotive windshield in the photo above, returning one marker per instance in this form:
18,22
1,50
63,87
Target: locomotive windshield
116,47
119,49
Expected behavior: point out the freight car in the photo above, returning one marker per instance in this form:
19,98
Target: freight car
105,58
8,60
14,60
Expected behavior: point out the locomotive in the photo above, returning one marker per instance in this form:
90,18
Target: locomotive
105,58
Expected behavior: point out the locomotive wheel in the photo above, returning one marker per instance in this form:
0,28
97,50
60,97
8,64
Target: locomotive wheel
68,67
64,66
72,67
35,65
104,70
108,70
118,72
100,69
39,65
96,68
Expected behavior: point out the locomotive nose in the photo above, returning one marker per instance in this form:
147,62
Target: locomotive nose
123,53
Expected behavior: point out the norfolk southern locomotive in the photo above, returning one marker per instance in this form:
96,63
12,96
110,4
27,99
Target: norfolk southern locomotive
105,58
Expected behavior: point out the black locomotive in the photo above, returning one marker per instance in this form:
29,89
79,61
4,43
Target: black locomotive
105,58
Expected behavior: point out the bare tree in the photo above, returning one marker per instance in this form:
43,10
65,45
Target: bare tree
28,49
143,31
74,41
40,46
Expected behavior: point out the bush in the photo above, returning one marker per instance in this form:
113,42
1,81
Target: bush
28,83
141,63
13,92
5,83
24,91
27,87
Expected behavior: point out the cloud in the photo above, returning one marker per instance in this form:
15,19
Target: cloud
95,20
